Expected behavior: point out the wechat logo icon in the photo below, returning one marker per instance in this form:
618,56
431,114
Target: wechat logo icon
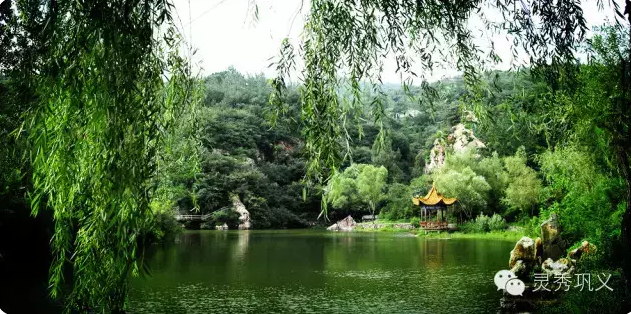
506,280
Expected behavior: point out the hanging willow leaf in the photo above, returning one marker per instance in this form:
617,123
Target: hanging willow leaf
344,44
102,112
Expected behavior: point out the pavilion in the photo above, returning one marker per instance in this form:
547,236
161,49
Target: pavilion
433,204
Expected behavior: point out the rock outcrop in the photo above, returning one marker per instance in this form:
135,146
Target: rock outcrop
585,248
222,227
524,250
553,246
463,139
244,215
520,269
346,224
436,156
459,140
522,257
563,266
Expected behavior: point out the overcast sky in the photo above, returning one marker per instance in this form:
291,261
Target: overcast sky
225,34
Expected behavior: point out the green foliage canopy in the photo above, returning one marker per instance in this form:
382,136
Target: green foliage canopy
101,111
370,184
358,185
524,187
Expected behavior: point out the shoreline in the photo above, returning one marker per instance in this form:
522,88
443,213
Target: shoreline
493,235
419,233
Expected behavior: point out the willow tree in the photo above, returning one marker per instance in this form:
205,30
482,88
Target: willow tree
351,39
108,83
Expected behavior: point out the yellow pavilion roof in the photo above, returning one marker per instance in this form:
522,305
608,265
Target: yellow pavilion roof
433,198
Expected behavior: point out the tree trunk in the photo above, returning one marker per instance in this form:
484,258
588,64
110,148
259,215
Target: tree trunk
372,210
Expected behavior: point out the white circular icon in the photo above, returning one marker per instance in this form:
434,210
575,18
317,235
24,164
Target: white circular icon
501,277
515,287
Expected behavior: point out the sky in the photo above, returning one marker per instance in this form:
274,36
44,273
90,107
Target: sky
224,33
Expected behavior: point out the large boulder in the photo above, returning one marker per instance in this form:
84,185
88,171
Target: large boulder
346,224
244,215
520,269
525,251
553,246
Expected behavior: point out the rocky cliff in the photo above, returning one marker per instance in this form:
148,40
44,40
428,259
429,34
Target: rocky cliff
459,140
244,214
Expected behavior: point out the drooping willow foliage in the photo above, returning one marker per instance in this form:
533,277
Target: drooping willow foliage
110,84
352,38
345,43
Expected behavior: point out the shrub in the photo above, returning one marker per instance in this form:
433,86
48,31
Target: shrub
163,226
496,222
398,205
484,223
481,223
415,221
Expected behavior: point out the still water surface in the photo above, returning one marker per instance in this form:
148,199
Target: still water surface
308,271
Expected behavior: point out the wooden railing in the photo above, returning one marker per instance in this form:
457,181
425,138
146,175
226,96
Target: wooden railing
193,217
434,225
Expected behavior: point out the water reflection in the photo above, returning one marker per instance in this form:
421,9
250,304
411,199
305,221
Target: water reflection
241,247
307,271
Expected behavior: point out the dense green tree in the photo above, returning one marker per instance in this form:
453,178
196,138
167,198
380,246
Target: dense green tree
371,182
469,188
383,154
399,204
493,171
586,197
523,186
342,191
357,186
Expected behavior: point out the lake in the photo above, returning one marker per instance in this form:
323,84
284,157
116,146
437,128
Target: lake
308,271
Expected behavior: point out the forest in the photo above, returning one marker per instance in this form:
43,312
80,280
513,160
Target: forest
100,150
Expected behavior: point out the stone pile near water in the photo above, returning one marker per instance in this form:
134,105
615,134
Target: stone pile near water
346,224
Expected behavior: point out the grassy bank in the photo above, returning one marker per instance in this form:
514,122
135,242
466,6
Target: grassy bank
496,235
493,235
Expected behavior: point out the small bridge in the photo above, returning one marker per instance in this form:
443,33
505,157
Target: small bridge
198,218
182,218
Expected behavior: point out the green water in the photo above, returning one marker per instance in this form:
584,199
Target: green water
320,272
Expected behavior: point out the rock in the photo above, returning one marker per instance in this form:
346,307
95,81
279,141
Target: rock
538,250
403,225
463,139
244,214
520,269
222,227
561,267
436,156
553,245
346,224
585,248
460,139
524,250
377,226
